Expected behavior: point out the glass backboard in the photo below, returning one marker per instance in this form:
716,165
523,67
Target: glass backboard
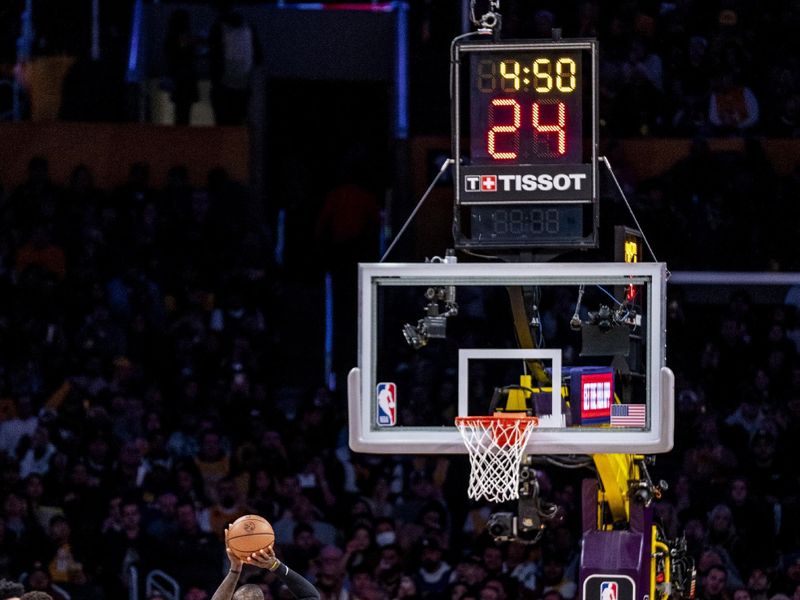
584,343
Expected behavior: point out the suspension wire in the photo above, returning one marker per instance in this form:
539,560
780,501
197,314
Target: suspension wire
446,164
604,160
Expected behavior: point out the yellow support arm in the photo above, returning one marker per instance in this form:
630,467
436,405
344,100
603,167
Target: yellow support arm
615,471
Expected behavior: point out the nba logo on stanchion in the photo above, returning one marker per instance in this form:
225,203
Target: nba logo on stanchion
609,590
387,404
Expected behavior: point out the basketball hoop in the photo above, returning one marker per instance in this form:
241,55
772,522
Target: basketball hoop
496,445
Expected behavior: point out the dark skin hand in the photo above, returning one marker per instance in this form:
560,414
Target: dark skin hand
263,559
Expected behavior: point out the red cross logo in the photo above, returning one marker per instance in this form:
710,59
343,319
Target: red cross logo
488,183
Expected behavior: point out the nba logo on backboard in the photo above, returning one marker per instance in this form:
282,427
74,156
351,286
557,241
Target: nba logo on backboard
609,590
387,404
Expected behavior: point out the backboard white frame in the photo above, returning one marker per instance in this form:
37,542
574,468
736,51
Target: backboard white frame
367,437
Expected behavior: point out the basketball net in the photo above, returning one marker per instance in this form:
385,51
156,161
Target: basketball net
496,446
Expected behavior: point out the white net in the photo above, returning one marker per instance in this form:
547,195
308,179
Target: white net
496,446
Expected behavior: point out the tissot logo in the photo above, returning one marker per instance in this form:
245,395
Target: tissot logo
472,183
545,182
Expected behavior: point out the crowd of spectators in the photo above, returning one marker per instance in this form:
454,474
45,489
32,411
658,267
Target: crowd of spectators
148,399
152,388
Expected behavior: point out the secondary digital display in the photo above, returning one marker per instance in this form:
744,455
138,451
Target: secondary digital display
526,107
515,223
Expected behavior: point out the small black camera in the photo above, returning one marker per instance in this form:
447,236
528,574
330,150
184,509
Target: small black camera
502,526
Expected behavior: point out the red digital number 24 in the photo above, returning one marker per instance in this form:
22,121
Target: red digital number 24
512,128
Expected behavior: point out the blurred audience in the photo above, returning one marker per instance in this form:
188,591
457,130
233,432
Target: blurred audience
142,409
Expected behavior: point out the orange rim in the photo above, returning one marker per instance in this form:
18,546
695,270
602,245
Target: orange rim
488,421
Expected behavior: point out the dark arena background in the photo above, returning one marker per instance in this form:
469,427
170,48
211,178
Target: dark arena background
186,191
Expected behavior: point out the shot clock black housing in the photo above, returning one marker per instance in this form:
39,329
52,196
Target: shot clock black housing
527,175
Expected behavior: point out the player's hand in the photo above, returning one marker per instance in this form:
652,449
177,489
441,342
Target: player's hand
236,562
263,559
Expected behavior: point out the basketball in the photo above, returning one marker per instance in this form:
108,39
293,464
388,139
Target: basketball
249,534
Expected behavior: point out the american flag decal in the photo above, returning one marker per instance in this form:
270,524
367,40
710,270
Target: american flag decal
628,415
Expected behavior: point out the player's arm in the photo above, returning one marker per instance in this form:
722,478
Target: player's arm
228,586
298,585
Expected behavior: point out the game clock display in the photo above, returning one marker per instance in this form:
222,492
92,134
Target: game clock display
529,111
526,108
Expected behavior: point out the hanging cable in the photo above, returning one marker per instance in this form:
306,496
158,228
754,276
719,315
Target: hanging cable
606,162
441,172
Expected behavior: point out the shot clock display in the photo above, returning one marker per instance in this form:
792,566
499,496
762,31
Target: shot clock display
526,108
529,112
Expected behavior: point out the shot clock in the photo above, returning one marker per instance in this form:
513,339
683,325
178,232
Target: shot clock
528,178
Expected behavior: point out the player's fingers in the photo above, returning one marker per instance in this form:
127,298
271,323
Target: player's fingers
261,559
260,556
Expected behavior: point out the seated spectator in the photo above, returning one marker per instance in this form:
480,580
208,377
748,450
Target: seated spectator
493,561
363,585
644,70
196,593
72,564
713,584
23,424
212,460
385,532
129,546
433,575
380,497
759,584
733,107
303,511
330,577
261,495
193,557
524,563
717,556
492,589
129,471
303,550
554,578
360,547
407,590
35,200
162,521
754,520
470,571
390,568
228,507
34,492
22,529
721,533
39,582
40,251
740,593
190,486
